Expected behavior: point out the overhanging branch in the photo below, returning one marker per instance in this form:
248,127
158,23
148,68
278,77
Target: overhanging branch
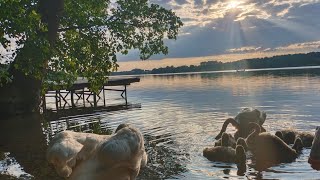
90,26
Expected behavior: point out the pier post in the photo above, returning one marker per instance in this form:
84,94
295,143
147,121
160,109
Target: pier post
72,100
104,96
44,103
125,94
80,88
95,99
57,101
84,101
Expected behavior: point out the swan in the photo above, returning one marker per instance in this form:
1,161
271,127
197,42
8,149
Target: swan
241,160
242,129
242,120
90,156
223,153
119,157
231,141
269,149
63,149
241,141
307,138
289,136
314,158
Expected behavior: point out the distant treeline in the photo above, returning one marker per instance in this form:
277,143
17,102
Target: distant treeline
291,60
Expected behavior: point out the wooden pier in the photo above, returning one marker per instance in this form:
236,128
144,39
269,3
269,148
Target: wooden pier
79,95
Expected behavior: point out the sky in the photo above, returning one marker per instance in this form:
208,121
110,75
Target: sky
229,30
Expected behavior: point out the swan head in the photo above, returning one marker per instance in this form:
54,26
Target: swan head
298,145
279,134
121,126
317,134
255,127
225,139
262,116
242,142
241,160
288,137
225,124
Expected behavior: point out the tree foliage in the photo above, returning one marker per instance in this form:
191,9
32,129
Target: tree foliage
90,36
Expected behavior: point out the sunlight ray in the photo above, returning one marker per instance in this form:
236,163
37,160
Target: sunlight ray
299,29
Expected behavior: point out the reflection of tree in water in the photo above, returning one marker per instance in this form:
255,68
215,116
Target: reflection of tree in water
2,155
278,73
163,162
7,163
23,138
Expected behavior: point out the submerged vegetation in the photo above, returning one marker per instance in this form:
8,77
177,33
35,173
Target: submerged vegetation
163,162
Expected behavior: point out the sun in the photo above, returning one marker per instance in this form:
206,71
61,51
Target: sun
233,4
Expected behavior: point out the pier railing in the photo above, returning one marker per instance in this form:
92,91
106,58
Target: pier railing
79,95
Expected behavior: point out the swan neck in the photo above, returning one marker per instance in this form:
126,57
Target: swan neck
225,125
256,131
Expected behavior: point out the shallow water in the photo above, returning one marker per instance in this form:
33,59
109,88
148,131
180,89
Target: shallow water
180,115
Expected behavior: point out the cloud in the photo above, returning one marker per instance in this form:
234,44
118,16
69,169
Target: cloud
298,47
315,45
213,27
246,49
202,12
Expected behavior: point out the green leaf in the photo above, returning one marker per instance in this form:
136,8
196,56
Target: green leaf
90,35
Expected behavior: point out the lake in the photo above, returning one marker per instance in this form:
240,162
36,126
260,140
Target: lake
180,115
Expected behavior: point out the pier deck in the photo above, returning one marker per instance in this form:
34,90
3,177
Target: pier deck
79,92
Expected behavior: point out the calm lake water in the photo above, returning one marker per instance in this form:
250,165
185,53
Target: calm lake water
180,115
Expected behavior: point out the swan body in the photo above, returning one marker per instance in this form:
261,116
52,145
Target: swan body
62,153
227,154
269,149
307,138
64,147
314,158
289,136
231,142
223,153
247,115
220,154
82,156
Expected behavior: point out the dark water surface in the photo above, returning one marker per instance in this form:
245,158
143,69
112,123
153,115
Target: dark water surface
180,115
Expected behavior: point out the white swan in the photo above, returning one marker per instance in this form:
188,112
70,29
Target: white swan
64,147
89,156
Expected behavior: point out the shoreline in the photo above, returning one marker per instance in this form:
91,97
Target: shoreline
223,71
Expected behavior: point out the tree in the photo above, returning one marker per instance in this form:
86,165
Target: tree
57,41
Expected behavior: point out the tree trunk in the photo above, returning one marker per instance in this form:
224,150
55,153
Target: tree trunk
20,96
